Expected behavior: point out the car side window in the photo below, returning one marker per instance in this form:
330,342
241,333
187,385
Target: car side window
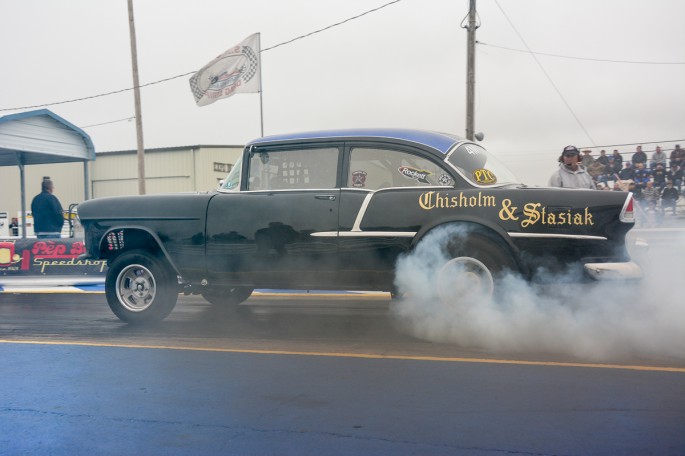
374,169
293,169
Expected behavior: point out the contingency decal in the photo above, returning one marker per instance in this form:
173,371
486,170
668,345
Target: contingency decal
484,176
416,174
115,241
359,179
445,179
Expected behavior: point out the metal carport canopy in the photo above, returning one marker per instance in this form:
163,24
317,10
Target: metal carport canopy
42,137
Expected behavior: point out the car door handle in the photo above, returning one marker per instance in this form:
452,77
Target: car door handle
325,197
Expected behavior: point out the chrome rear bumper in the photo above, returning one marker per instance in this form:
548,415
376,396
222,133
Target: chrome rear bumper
614,271
622,271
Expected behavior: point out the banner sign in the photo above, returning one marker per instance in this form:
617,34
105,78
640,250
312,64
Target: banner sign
47,257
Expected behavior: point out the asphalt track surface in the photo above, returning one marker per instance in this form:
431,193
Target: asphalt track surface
306,375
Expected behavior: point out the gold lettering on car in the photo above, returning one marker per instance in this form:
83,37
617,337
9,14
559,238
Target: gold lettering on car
532,214
535,213
507,212
437,200
484,176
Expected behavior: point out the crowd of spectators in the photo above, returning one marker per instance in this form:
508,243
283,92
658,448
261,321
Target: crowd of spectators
656,180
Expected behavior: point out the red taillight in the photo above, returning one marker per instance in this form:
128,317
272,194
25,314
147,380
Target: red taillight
627,214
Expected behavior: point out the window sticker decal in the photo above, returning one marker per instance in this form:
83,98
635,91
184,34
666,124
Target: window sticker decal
484,176
359,179
445,179
420,175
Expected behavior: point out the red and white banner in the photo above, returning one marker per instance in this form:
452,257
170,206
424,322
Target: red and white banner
234,71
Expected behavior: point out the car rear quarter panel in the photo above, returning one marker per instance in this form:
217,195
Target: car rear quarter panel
573,224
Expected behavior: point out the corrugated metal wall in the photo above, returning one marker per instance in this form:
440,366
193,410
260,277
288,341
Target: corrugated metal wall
68,179
167,170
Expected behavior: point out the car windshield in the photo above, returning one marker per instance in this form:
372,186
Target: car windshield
479,166
232,181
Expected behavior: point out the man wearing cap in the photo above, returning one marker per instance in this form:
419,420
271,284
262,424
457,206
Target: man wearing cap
571,174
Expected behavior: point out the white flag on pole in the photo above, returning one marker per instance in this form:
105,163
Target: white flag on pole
234,71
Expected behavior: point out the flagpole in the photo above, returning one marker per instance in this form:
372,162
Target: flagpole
261,86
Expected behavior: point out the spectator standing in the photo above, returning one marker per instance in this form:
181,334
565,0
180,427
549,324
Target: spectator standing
603,159
660,176
636,191
659,158
627,173
571,174
650,195
608,172
639,156
618,161
677,156
641,176
677,177
47,212
669,196
587,158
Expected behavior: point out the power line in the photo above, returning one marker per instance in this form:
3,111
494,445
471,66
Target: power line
331,26
97,96
193,72
579,58
568,106
110,122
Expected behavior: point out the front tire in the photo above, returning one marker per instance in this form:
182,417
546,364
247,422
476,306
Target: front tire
140,287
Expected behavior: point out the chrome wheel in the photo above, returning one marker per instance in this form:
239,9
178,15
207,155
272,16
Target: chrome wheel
136,288
464,279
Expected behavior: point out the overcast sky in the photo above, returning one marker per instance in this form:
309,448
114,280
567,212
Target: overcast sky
401,66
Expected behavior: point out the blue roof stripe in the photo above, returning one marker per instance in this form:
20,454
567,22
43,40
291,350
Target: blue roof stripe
442,142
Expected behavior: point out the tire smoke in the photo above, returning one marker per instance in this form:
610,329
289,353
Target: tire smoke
595,321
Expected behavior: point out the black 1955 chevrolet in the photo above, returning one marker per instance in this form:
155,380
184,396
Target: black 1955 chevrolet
336,209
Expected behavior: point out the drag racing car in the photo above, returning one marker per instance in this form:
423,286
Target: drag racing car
336,210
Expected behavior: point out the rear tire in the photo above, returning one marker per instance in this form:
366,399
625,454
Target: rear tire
140,287
473,272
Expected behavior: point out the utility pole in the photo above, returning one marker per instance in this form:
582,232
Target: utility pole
136,93
471,70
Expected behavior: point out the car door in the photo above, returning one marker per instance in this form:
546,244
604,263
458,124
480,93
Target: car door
280,230
377,224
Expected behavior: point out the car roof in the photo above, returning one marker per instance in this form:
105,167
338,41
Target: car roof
442,142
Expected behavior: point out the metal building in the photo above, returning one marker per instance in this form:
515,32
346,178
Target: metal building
167,170
39,144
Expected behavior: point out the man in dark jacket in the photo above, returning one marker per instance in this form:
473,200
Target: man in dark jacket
639,157
669,196
47,212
